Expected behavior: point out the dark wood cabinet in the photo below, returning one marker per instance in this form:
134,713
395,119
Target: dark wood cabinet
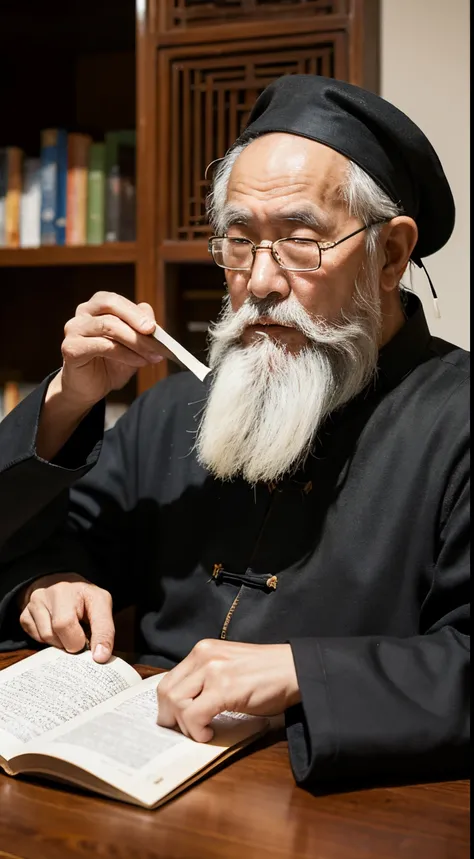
189,72
180,15
201,65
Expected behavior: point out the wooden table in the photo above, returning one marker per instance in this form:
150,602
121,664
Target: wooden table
249,809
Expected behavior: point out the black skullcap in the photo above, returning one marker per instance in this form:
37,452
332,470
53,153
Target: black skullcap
372,133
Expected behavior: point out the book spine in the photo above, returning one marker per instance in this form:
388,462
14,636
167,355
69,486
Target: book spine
96,195
61,196
30,212
13,196
113,140
49,185
76,219
127,195
3,195
112,205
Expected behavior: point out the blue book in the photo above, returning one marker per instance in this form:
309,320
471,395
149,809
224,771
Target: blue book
53,143
62,188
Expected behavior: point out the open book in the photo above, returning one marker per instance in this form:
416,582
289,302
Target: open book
66,717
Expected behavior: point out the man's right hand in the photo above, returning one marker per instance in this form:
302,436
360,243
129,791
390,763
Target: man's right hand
106,342
52,608
104,345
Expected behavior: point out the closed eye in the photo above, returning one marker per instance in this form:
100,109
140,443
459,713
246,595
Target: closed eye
301,239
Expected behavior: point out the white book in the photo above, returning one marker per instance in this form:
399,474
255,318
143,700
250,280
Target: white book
71,719
30,209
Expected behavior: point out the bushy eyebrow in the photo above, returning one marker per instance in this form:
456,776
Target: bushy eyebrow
233,215
308,216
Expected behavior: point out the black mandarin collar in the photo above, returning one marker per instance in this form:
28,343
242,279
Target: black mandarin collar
407,348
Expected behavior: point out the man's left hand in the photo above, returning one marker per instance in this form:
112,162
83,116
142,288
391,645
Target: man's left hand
257,679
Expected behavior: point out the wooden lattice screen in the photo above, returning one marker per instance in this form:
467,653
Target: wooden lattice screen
210,98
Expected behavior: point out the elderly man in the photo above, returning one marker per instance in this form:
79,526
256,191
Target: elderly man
294,531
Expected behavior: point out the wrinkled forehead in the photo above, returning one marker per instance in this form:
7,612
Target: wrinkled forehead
279,174
278,165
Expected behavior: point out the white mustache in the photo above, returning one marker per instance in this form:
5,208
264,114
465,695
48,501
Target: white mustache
289,313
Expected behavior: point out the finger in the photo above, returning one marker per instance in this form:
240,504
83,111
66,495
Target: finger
42,618
182,727
188,665
65,625
80,350
113,328
27,623
118,305
174,699
147,311
98,608
200,713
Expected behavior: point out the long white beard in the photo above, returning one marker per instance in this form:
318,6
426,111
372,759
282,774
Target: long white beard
266,403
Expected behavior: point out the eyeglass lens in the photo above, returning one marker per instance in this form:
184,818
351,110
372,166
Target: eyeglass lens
296,254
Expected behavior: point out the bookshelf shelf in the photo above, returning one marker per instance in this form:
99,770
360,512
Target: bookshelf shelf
112,253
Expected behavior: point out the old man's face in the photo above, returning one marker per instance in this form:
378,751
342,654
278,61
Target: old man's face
289,347
283,185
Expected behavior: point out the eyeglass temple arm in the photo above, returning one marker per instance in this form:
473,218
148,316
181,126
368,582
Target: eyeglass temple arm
355,233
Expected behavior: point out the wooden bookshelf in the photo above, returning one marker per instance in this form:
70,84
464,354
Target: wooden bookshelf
184,74
106,254
72,66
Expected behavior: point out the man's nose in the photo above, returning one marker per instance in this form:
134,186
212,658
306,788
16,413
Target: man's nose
266,275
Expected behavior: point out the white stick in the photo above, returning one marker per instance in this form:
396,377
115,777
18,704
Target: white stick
200,370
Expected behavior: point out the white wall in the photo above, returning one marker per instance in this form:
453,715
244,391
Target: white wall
425,72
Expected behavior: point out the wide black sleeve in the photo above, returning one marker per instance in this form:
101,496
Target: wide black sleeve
70,515
389,708
29,484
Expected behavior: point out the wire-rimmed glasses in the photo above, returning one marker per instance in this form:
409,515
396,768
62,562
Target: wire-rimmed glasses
292,254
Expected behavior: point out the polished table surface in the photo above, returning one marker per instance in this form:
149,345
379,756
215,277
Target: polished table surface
248,808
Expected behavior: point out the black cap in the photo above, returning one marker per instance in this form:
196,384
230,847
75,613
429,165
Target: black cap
372,133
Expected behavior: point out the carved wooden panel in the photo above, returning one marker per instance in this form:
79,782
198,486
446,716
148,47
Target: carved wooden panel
180,14
209,98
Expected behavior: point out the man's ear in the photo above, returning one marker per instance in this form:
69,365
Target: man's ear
399,238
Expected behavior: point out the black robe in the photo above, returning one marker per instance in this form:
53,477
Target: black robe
360,560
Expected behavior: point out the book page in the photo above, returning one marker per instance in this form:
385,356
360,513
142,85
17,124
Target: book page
52,687
121,743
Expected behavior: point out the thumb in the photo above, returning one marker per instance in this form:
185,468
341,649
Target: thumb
98,607
148,317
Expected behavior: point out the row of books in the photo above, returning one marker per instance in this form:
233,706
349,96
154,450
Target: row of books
78,192
12,393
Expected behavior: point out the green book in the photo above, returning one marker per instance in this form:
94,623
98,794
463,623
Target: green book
96,195
114,139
